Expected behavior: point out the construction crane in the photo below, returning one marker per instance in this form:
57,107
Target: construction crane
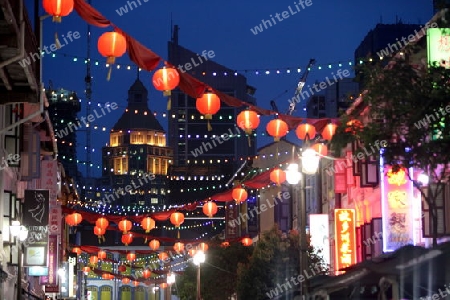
300,86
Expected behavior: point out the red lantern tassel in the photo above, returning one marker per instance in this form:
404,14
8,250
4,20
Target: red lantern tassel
249,141
168,94
57,42
108,77
209,126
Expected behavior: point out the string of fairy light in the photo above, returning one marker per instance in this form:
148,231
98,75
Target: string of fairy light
255,71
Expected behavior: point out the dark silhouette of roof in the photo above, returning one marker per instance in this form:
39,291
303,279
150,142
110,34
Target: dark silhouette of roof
137,115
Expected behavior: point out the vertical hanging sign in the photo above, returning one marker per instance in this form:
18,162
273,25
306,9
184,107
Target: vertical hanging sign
397,209
35,219
345,235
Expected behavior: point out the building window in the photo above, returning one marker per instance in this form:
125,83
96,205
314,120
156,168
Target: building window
137,138
120,165
154,201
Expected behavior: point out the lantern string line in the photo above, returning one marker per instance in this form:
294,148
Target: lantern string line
148,60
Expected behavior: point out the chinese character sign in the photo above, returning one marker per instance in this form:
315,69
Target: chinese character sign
438,47
397,209
345,235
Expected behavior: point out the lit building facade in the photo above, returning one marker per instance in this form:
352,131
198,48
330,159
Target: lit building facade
137,154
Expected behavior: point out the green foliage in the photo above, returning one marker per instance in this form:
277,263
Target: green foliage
275,259
218,273
409,107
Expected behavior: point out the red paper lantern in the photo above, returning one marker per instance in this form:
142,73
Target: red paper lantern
329,131
239,194
76,250
163,285
305,130
69,220
148,224
177,219
278,176
136,283
99,231
225,244
208,105
101,254
191,252
93,260
77,218
131,256
163,256
112,45
58,8
73,219
321,149
126,280
102,223
154,244
203,246
86,269
247,241
127,238
107,276
122,268
125,226
146,273
178,247
210,209
277,128
166,79
248,120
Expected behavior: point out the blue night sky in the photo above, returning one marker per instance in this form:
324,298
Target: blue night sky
328,31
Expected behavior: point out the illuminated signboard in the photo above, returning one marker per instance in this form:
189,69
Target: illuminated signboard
438,47
345,236
319,231
397,209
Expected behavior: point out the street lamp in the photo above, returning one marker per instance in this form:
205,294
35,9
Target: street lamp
309,166
198,259
21,233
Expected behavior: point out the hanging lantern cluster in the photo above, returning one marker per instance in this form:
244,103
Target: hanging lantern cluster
76,250
203,247
131,256
127,238
239,194
277,128
277,176
125,226
163,256
101,255
111,45
248,121
73,219
208,105
165,80
178,247
122,268
126,280
329,131
154,245
210,209
58,8
247,242
93,260
177,219
305,131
